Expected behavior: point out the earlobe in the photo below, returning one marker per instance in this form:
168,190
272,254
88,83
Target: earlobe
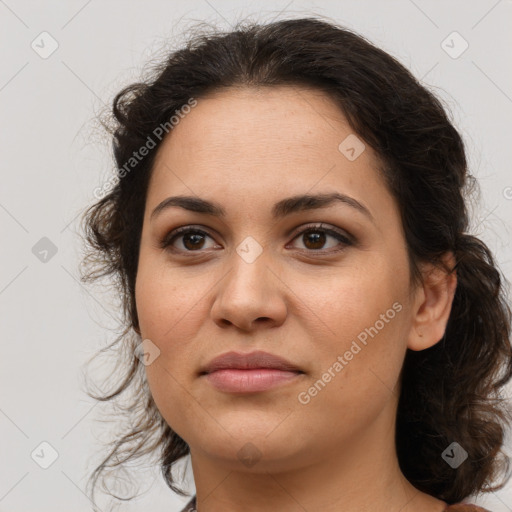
433,306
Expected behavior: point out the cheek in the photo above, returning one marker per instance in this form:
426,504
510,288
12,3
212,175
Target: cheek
169,320
171,312
364,319
170,391
167,302
355,379
350,299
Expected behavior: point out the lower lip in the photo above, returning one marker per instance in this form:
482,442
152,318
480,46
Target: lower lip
249,381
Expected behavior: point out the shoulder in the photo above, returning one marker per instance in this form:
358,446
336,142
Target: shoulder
465,507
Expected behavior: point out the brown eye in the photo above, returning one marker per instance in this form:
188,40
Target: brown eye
192,240
314,238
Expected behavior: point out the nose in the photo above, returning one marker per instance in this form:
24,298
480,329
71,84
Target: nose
250,295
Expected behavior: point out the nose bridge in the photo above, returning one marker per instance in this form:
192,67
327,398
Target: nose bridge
249,273
249,290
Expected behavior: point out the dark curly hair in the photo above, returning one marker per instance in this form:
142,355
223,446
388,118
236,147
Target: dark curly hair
449,392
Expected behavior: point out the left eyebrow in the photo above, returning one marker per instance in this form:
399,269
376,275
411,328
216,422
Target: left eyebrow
281,209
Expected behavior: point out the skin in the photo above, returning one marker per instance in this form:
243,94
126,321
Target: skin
246,149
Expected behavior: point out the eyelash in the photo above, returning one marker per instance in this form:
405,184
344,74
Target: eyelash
166,242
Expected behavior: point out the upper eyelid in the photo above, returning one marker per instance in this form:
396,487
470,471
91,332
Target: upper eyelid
320,226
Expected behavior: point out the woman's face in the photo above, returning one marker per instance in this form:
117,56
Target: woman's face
334,302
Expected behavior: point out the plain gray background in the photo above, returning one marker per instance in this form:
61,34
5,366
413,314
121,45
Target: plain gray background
53,157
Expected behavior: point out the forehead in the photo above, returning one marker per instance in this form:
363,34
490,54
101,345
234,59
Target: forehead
260,143
239,122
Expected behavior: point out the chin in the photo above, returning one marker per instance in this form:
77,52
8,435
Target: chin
247,424
254,448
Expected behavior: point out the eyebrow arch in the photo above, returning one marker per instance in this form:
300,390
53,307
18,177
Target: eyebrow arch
281,209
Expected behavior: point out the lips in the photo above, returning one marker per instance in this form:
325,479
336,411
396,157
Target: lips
255,372
250,361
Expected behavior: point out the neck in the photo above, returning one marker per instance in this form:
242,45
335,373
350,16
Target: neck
359,475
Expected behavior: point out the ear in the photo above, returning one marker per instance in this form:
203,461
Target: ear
432,305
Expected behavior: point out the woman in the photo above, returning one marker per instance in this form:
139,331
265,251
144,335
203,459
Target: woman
306,314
